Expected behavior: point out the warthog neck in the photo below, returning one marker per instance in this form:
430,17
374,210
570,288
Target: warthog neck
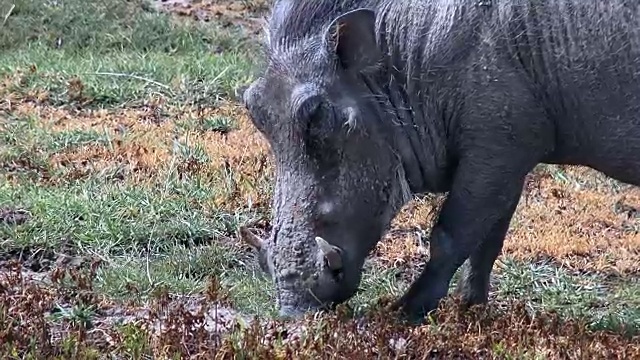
417,139
420,86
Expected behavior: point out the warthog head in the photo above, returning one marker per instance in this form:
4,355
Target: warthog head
338,181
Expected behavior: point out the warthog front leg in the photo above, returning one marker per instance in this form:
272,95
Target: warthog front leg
471,225
476,272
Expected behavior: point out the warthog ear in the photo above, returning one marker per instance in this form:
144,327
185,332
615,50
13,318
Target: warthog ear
352,37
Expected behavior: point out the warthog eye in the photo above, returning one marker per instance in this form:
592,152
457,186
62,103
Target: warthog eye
314,113
337,274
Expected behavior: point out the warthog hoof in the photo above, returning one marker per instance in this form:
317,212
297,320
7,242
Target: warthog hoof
413,310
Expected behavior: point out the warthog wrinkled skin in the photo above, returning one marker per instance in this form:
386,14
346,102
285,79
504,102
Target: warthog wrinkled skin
365,103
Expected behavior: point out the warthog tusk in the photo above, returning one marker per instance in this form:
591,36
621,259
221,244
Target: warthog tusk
250,238
331,254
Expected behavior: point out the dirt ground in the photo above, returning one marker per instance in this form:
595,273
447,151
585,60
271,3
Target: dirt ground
245,14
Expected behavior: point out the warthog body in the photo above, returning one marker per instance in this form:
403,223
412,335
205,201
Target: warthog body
367,102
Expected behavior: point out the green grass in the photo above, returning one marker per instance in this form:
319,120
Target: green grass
147,236
28,134
120,79
219,124
121,53
110,215
603,303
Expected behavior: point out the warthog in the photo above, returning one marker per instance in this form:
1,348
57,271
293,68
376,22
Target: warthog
365,103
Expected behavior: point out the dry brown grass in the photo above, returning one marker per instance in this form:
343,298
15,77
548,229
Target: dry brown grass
580,227
226,13
195,327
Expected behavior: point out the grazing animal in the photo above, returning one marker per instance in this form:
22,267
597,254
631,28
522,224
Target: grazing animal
367,102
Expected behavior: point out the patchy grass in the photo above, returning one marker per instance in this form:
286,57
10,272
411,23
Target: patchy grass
604,304
127,166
